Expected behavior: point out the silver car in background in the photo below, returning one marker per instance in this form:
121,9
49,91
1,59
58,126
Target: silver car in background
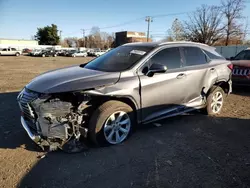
136,83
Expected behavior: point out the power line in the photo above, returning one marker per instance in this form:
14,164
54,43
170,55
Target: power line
136,20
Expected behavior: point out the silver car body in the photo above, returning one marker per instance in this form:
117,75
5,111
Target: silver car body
153,98
80,54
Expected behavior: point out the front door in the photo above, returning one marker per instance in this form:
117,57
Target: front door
163,92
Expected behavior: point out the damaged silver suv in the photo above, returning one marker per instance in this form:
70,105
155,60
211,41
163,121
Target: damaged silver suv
136,83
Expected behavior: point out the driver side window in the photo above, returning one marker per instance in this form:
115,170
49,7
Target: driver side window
169,57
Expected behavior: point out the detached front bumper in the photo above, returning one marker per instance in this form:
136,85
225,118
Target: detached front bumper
35,138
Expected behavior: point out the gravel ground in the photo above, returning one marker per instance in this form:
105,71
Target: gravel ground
191,150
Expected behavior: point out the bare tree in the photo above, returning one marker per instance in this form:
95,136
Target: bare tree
232,10
95,30
71,41
176,33
204,25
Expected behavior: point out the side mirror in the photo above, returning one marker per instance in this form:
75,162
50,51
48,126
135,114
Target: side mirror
157,68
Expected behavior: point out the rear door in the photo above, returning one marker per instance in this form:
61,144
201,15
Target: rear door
9,52
199,72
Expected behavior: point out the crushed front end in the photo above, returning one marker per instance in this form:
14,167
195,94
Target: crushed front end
55,120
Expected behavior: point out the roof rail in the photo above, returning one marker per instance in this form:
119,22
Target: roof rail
129,43
182,42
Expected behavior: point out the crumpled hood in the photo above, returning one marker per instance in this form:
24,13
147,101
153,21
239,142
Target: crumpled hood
72,79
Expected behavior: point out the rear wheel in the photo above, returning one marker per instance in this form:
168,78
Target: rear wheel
43,55
111,123
215,101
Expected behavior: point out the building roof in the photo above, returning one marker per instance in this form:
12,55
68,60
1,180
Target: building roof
17,39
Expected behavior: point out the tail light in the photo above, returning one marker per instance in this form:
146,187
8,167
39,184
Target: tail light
230,66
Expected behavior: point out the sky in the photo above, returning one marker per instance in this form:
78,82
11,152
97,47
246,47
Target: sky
19,19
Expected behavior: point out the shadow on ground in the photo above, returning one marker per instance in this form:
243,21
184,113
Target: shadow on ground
10,126
186,151
243,91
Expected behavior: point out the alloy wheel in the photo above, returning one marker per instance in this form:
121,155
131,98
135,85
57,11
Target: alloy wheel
117,127
217,102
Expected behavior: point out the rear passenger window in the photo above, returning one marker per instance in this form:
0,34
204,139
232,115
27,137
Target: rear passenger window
169,57
194,56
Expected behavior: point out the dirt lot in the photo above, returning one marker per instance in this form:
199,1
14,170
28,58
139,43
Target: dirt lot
192,150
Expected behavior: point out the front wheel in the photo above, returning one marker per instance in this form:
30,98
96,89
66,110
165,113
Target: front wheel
215,101
17,54
111,123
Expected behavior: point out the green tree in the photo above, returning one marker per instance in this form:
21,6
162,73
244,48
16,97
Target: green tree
48,35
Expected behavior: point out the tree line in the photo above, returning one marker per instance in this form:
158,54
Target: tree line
48,35
213,25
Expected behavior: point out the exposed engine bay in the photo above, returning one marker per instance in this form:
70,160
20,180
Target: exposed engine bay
61,120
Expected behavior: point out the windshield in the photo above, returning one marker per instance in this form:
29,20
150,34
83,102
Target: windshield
119,59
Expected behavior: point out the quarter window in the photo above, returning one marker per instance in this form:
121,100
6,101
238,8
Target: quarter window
194,56
247,55
169,57
213,55
240,56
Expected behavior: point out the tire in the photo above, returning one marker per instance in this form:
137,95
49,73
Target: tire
73,55
215,101
17,54
101,125
43,55
55,55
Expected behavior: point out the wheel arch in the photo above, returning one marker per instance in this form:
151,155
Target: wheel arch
223,84
99,100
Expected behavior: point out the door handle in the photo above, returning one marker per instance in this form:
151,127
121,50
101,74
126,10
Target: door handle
180,76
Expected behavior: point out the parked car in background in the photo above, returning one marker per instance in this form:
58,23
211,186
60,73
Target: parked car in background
69,52
27,50
78,54
62,52
241,68
99,53
91,52
10,51
35,52
48,53
135,83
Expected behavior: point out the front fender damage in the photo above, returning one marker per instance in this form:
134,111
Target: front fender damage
61,122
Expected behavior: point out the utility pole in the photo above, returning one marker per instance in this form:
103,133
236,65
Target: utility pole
60,34
148,19
83,36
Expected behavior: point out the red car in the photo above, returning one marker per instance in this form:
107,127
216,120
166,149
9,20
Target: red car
26,50
241,68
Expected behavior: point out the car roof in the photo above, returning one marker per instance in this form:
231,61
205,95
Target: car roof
158,44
